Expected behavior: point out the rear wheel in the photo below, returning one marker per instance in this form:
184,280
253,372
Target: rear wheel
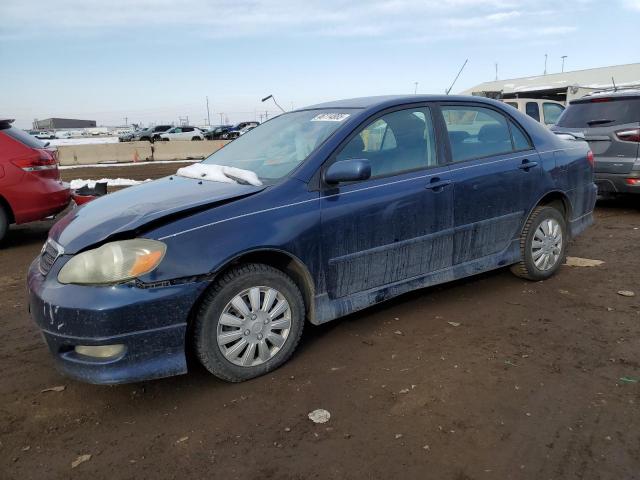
543,244
196,139
249,323
4,223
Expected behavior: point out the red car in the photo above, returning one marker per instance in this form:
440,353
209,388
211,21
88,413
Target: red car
30,185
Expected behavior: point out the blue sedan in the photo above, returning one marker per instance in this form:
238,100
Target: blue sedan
313,215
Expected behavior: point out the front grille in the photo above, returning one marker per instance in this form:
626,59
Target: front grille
50,252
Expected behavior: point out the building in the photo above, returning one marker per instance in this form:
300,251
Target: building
58,123
561,86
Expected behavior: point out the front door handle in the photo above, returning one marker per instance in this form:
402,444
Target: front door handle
436,184
526,165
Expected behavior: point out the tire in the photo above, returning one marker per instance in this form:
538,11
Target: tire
527,267
146,139
265,355
196,139
164,139
4,223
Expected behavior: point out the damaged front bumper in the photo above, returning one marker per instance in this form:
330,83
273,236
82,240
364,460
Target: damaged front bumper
142,330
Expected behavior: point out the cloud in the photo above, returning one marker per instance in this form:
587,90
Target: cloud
396,19
631,4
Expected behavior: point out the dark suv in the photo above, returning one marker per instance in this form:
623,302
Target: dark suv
610,122
149,134
217,132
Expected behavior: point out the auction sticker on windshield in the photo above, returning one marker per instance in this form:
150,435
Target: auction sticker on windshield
330,117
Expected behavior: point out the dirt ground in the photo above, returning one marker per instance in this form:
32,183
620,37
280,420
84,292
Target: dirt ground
528,381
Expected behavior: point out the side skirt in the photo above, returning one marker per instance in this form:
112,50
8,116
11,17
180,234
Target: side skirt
327,309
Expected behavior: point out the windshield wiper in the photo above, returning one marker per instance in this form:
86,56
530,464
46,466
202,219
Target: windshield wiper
599,122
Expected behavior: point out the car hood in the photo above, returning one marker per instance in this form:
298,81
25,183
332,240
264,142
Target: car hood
131,209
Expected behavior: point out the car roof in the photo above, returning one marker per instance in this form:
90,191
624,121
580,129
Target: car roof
392,100
624,93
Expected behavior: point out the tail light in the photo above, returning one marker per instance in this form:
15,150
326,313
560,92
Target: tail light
41,162
634,182
590,158
630,135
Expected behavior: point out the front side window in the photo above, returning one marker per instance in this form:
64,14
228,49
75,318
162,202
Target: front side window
552,112
533,110
395,143
275,148
477,132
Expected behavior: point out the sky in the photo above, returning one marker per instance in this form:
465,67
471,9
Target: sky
154,61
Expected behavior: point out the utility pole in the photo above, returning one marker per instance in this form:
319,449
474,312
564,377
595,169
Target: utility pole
563,57
496,71
208,114
415,88
126,121
545,63
221,118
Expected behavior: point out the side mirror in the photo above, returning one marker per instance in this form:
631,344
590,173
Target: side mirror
348,171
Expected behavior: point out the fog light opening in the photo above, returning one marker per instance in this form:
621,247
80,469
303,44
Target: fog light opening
100,351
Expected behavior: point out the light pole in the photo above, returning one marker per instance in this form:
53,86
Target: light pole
208,114
563,57
545,63
415,88
274,101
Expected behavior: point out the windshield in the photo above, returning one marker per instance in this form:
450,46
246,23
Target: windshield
276,147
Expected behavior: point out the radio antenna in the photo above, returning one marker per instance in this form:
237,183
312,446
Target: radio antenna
457,76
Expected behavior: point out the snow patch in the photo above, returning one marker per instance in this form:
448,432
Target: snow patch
118,165
219,173
111,182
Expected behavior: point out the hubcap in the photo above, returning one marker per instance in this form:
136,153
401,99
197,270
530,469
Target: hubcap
254,326
547,244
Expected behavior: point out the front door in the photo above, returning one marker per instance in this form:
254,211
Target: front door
397,224
495,172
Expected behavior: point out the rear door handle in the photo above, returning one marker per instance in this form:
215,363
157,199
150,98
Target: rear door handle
436,184
526,165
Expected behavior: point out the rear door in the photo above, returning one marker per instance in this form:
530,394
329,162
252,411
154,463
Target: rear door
610,125
496,173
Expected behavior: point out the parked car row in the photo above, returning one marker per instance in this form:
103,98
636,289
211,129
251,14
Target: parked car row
185,132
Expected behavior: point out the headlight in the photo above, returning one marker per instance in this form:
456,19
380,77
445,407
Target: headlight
113,262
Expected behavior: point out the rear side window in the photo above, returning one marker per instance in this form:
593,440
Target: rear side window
601,113
552,112
533,110
476,132
23,137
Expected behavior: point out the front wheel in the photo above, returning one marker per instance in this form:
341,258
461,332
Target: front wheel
249,323
4,223
543,244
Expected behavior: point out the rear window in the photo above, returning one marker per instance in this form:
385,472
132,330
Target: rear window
602,113
23,137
